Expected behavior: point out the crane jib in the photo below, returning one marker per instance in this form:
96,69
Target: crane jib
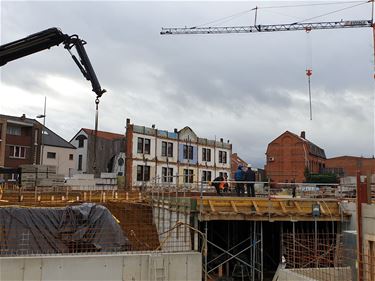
268,28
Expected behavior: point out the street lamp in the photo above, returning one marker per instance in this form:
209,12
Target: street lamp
44,123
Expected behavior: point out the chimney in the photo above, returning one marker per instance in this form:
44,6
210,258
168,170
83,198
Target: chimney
303,134
127,121
175,130
23,117
153,126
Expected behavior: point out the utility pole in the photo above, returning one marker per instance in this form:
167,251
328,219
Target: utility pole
43,128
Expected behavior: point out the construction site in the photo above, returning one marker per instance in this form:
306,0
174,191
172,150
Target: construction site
160,216
170,233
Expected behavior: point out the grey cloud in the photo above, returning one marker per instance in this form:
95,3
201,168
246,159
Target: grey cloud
248,88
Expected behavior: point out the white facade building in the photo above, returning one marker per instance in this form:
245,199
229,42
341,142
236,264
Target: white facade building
58,152
173,158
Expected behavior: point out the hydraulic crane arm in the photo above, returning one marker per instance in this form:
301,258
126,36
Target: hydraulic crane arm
267,28
46,39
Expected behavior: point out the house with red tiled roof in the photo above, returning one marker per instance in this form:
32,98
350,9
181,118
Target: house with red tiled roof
290,154
109,147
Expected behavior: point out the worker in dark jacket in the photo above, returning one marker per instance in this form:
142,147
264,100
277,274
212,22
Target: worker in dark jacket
239,177
250,179
218,183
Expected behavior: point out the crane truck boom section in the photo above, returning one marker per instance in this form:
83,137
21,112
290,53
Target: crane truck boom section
46,39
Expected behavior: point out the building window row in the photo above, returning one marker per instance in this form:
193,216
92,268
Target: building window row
143,173
16,151
144,145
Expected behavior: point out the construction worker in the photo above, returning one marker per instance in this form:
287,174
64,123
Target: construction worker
239,177
219,183
250,179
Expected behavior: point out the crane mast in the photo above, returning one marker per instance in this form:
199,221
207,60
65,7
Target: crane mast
267,28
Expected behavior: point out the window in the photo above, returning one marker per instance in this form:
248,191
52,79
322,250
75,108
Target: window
167,149
144,146
167,174
16,131
206,154
51,155
81,139
80,142
206,176
370,270
70,156
16,151
147,146
80,162
36,133
188,152
143,173
140,145
163,148
188,176
222,157
222,174
170,149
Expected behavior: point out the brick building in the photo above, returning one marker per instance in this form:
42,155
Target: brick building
289,154
349,165
20,140
235,162
177,158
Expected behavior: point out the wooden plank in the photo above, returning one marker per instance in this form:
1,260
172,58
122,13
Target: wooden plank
283,206
322,209
255,205
211,206
234,206
298,206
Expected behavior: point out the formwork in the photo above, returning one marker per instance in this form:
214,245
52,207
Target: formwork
247,238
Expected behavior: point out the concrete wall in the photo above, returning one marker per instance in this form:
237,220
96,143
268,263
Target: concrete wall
122,266
165,219
313,274
368,219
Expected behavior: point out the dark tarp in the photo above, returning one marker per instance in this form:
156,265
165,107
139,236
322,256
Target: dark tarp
80,228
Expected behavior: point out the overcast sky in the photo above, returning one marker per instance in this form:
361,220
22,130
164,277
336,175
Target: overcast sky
248,88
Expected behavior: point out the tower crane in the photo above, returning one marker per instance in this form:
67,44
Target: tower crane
257,28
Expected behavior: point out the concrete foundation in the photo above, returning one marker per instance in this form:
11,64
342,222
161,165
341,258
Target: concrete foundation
121,266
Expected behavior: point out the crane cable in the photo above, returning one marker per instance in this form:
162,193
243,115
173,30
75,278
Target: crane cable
309,66
230,17
95,133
